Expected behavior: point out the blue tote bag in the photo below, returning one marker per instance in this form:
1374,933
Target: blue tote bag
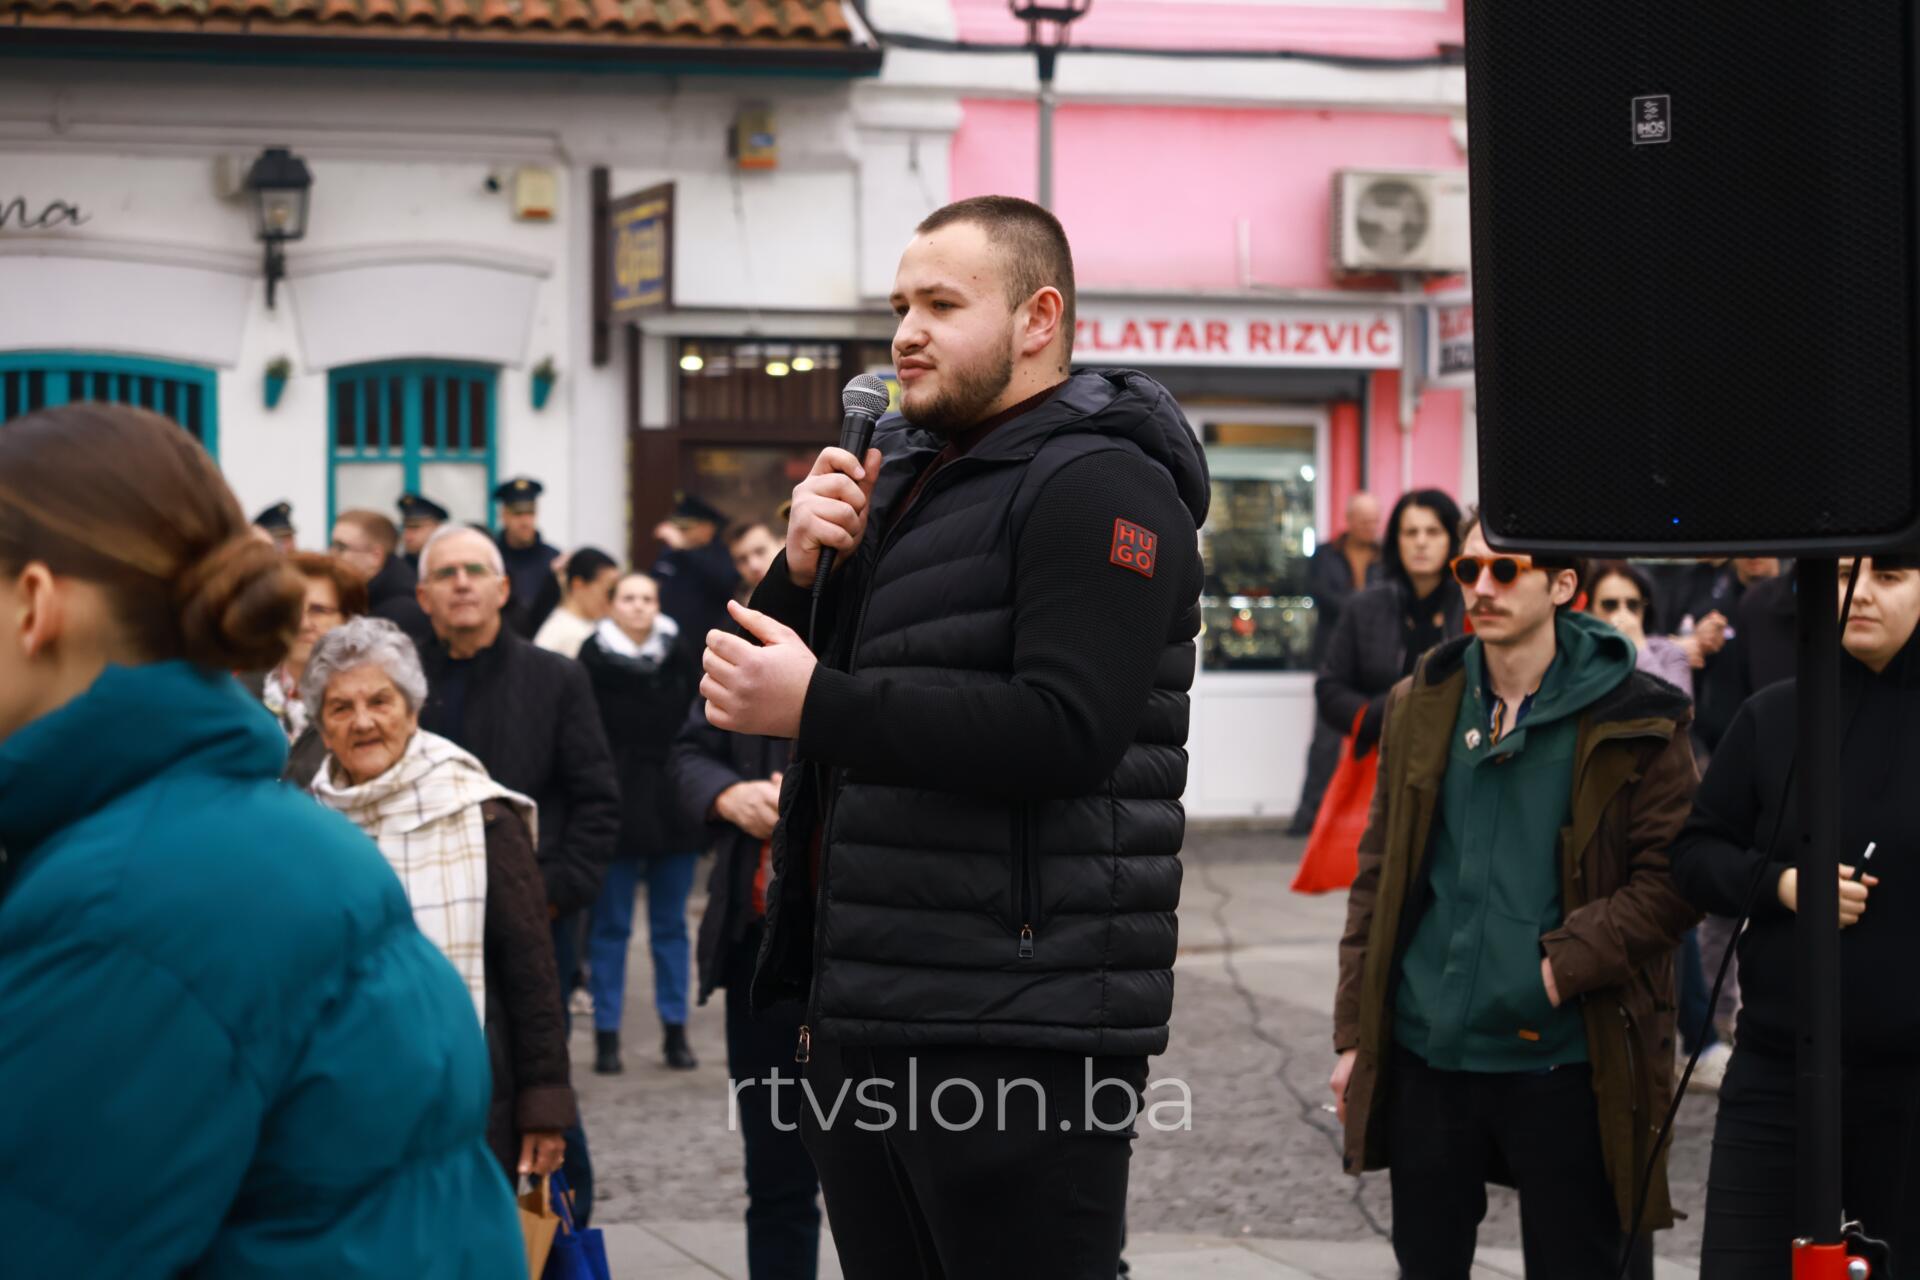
579,1253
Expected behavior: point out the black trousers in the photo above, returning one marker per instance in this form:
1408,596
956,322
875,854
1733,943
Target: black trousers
1029,1191
577,1166
1323,757
783,1192
1454,1130
1750,1184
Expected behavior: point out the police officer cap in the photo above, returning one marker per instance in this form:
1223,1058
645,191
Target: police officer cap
692,507
521,491
414,507
277,518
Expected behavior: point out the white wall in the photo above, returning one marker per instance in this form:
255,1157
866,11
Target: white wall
408,254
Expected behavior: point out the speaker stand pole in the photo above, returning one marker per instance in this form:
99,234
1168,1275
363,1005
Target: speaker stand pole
1818,1251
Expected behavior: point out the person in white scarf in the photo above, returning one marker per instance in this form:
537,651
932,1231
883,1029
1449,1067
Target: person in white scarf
462,845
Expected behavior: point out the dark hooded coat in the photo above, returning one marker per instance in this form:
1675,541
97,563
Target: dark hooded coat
993,744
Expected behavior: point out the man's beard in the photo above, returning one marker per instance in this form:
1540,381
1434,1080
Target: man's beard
969,393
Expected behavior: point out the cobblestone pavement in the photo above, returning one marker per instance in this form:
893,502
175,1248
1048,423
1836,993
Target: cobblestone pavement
1250,1039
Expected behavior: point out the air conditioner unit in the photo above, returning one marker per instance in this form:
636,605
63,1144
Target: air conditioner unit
1400,220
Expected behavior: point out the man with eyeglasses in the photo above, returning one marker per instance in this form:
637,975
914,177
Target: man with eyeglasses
531,719
1505,1004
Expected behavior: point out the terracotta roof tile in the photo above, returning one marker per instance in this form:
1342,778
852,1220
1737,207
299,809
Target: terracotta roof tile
816,23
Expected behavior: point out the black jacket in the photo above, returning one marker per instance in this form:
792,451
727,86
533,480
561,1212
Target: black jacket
1368,656
642,706
695,586
391,595
1729,846
536,589
531,720
705,761
994,741
1761,649
1330,581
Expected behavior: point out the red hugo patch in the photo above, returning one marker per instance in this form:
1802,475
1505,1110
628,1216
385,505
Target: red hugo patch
1135,547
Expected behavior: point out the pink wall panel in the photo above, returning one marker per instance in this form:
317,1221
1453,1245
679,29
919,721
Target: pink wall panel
1411,28
1436,440
1151,196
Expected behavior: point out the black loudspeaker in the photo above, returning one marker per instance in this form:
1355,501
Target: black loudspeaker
1694,274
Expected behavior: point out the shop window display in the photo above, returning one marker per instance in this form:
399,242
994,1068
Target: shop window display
1257,610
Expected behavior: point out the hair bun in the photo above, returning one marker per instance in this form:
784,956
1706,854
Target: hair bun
239,605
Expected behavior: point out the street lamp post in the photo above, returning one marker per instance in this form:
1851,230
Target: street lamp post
279,183
1047,24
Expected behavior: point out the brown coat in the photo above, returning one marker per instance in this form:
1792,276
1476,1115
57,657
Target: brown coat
526,1022
1634,779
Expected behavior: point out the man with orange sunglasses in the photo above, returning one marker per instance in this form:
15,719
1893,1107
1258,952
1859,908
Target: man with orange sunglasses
1505,1004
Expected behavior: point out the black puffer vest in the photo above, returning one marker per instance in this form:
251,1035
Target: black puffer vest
964,918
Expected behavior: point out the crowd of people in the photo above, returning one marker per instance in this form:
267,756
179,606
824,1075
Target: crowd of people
1547,887
288,962
500,717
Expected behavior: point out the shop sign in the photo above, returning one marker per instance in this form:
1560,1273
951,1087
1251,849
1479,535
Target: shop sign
1293,337
640,238
1450,343
17,215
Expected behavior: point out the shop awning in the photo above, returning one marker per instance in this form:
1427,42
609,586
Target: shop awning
803,35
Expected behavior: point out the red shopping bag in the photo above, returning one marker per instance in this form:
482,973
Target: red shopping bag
1333,850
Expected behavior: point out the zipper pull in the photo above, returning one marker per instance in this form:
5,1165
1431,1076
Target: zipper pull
804,1054
1026,942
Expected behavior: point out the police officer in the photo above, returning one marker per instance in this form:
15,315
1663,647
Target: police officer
695,572
419,517
529,559
277,520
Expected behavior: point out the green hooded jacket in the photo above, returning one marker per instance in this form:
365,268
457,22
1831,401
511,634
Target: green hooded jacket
1471,994
1631,777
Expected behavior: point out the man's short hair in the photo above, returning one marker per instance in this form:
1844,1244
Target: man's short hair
495,560
588,563
1033,245
739,532
379,530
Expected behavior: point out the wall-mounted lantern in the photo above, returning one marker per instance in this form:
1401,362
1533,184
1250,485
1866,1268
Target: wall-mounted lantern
279,184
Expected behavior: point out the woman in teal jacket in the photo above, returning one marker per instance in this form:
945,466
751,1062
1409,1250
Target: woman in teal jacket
225,1050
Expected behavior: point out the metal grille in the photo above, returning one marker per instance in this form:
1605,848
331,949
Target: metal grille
183,393
1703,343
412,418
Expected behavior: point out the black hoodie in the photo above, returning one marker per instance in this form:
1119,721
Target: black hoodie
1736,812
993,740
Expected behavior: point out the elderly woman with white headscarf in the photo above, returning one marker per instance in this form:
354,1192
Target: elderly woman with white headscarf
462,846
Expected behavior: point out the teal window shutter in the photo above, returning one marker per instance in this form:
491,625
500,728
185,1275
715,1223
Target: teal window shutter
411,426
186,393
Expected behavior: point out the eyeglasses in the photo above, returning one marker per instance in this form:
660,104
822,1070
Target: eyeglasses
448,572
340,548
1506,570
1613,604
321,612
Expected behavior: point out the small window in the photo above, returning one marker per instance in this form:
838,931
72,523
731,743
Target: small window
760,383
412,426
182,392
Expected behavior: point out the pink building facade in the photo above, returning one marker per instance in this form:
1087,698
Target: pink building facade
1211,250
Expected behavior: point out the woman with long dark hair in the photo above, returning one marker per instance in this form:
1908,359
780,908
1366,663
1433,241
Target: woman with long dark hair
224,1046
1737,850
1386,628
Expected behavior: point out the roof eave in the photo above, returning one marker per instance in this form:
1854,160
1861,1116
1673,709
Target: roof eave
465,47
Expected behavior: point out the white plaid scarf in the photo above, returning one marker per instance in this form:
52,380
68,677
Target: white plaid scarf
424,813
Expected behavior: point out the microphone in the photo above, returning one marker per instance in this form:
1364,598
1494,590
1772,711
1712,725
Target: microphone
863,400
